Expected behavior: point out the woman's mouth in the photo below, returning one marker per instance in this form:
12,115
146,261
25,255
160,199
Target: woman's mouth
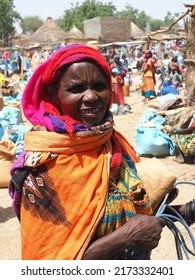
90,111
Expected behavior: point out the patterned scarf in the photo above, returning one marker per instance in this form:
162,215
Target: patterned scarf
75,201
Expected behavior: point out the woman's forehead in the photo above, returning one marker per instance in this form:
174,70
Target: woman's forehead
84,67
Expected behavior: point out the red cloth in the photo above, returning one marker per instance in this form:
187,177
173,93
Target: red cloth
35,100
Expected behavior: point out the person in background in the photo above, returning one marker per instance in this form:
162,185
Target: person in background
118,73
184,139
2,76
6,60
148,79
159,80
175,77
168,88
127,78
173,63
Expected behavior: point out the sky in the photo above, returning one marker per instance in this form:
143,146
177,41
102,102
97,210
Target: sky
55,8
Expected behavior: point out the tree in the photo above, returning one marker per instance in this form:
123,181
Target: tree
92,8
156,24
144,21
87,10
169,18
30,24
8,17
137,17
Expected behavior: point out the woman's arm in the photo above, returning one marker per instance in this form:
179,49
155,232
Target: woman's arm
141,231
184,130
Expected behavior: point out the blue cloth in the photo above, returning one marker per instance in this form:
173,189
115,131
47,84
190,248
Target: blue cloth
168,88
152,116
16,134
152,141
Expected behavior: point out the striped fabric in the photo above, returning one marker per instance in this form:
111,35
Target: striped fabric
126,198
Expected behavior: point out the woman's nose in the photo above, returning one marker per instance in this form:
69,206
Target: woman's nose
90,96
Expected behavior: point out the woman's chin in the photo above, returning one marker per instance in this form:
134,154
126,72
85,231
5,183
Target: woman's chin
92,121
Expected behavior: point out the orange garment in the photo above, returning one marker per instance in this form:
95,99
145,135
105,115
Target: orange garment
77,182
148,80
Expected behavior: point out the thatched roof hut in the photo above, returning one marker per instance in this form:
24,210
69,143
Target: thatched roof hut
49,34
21,40
136,32
75,32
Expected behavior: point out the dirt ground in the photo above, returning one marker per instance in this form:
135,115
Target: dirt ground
166,250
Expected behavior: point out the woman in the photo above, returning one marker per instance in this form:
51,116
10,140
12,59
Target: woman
148,79
159,80
168,88
175,77
75,187
184,139
118,73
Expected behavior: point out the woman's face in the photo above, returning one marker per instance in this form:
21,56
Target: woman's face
83,93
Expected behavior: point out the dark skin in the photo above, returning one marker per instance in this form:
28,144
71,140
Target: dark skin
83,94
141,231
187,130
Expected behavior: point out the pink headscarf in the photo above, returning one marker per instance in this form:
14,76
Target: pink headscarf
35,100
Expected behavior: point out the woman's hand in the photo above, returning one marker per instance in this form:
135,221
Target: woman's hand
141,231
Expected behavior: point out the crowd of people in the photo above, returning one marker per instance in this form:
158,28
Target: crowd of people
158,69
16,61
161,70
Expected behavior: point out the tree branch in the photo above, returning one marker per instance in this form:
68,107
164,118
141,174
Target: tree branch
170,26
190,61
167,38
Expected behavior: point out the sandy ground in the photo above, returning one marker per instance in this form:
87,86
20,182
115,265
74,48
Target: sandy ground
166,250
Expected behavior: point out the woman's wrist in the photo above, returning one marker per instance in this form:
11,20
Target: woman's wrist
107,247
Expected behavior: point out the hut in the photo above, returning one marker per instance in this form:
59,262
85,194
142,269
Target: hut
21,40
108,29
75,32
136,32
76,36
49,34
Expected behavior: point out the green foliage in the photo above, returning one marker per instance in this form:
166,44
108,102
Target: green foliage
146,22
92,8
156,24
138,17
87,10
76,16
8,17
169,18
130,12
143,21
30,24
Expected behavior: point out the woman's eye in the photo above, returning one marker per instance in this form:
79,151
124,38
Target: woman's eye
100,86
76,89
